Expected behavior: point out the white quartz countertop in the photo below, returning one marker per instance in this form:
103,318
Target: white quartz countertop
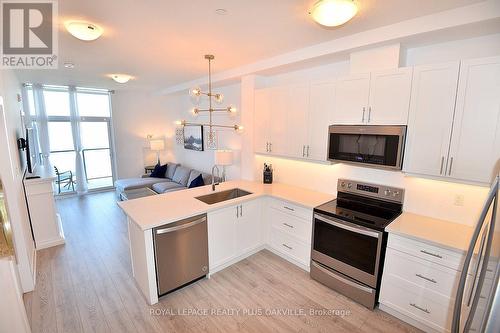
437,232
153,211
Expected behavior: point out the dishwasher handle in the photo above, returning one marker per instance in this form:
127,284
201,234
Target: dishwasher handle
180,227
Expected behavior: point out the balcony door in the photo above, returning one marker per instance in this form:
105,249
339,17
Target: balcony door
92,124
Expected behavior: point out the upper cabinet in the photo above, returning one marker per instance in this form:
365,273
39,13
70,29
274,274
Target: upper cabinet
389,97
431,117
262,110
379,98
454,129
321,108
475,143
351,102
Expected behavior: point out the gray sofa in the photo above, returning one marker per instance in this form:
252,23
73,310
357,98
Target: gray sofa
176,178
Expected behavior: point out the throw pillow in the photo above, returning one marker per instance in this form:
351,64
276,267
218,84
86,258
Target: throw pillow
198,181
159,171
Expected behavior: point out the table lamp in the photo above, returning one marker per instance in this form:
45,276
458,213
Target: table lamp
157,145
223,158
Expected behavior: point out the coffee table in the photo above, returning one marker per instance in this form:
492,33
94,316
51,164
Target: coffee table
137,193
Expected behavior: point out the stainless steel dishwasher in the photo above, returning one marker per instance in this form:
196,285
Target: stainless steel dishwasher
181,253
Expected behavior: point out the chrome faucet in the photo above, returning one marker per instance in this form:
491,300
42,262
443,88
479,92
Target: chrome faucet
213,176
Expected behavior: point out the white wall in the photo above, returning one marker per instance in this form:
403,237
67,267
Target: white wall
136,114
11,175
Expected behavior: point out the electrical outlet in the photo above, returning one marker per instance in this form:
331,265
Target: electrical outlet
459,200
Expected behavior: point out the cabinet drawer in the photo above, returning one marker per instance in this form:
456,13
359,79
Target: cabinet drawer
291,246
292,225
421,272
421,304
292,209
426,251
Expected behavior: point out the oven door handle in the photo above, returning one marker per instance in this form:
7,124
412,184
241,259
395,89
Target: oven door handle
347,227
342,279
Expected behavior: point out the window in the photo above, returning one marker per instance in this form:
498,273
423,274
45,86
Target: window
94,111
56,103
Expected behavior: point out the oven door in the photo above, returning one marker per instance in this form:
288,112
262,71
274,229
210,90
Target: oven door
376,146
348,248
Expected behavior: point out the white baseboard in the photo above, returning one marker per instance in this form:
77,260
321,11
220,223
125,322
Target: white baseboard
50,243
214,270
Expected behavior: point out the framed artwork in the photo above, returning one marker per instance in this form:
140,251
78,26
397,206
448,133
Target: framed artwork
193,137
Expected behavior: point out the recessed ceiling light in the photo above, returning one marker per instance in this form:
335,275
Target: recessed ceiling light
332,13
121,78
69,65
221,11
83,30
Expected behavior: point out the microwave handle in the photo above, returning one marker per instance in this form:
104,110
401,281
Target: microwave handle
347,227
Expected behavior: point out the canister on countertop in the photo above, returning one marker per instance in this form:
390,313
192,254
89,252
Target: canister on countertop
268,173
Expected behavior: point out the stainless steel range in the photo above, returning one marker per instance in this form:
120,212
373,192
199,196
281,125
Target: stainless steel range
349,240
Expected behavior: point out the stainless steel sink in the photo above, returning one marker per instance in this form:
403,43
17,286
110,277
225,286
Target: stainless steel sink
223,196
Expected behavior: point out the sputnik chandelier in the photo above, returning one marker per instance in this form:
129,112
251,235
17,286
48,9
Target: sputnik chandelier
196,94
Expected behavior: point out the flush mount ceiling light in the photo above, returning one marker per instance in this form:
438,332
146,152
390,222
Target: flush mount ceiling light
83,30
221,11
121,78
332,13
196,93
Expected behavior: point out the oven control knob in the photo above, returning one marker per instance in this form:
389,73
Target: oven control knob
387,192
395,194
342,184
349,185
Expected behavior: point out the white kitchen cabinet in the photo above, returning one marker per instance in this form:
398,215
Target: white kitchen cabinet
233,232
475,143
321,108
431,118
389,97
270,120
279,101
297,118
351,99
261,120
248,227
222,236
455,133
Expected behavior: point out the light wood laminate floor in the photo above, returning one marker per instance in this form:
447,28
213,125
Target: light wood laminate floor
86,286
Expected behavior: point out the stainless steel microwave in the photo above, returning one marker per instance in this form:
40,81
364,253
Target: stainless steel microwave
379,146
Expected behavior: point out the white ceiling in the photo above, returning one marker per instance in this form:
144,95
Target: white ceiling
162,42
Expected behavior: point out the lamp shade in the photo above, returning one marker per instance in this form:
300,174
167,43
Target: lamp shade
157,145
223,157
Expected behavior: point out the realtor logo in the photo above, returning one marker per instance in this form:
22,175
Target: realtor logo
29,34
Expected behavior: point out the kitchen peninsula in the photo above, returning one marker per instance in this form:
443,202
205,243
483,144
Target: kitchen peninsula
237,227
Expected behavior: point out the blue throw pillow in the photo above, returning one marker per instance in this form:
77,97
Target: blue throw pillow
198,181
159,171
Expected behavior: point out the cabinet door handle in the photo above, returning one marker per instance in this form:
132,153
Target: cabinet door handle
431,254
307,151
419,308
369,113
288,247
451,165
241,210
303,151
425,278
237,212
363,118
288,225
270,147
267,147
442,163
291,209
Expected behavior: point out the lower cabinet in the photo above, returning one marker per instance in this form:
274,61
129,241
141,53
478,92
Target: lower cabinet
289,229
233,232
419,282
